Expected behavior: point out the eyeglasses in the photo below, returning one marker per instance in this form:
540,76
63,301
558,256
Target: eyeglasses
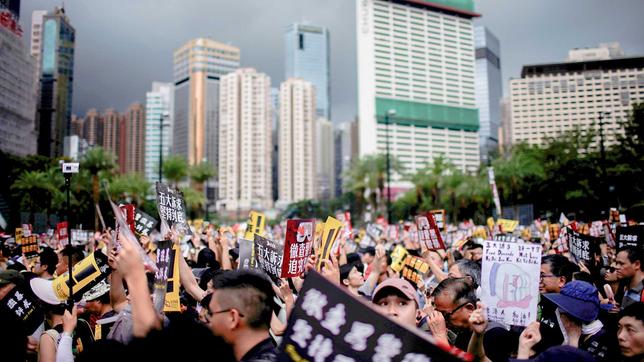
448,315
210,314
543,276
611,269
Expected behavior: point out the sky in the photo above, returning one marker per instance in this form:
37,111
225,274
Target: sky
122,46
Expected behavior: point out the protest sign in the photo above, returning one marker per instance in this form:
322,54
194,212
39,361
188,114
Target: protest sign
268,256
62,233
398,256
79,236
24,306
374,231
582,247
297,246
123,233
172,302
29,246
18,236
246,256
413,269
439,218
561,241
507,238
630,235
144,223
596,229
507,226
26,230
256,222
164,248
128,215
328,324
172,208
510,281
330,232
428,233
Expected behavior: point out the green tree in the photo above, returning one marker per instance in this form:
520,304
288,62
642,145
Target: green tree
100,164
200,173
131,188
195,201
35,190
175,169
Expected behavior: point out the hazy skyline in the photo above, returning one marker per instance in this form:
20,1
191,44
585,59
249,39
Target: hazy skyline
123,46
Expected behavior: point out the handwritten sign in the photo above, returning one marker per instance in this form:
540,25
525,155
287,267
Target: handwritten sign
297,246
510,281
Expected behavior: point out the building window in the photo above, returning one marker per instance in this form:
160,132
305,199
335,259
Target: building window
301,41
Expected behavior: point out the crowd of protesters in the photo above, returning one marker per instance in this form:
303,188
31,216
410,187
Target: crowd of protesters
585,312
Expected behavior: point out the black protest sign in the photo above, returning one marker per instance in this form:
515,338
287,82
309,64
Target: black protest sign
268,256
172,208
24,306
164,262
144,223
246,259
328,324
582,247
630,235
506,238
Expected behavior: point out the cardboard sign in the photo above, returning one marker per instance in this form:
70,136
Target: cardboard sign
85,275
164,248
172,208
630,235
507,226
256,222
328,324
24,306
330,232
29,246
510,281
413,269
582,247
246,256
80,236
297,246
506,238
172,302
268,256
439,218
398,256
144,223
62,233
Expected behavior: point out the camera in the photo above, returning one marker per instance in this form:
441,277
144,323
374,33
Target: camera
70,167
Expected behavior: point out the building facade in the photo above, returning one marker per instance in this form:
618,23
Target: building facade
297,126
324,158
346,152
245,144
56,82
114,136
17,90
416,58
198,67
93,128
307,57
135,138
550,99
158,127
489,89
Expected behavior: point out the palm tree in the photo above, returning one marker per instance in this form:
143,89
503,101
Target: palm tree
200,173
194,199
428,180
132,187
35,190
355,181
175,169
98,161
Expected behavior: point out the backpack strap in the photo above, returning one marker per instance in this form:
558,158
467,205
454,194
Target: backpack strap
53,334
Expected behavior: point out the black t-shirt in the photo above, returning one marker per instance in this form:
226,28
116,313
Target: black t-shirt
264,351
104,325
601,345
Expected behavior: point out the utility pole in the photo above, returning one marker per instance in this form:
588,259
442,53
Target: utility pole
161,125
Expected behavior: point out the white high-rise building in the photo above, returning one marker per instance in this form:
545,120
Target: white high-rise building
245,144
325,158
158,125
416,58
550,99
35,43
297,169
489,89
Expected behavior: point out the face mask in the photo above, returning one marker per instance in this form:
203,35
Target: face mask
561,327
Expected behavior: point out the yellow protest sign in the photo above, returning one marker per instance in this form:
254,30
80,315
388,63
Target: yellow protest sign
19,236
172,303
479,232
507,226
83,273
490,223
330,232
256,222
398,257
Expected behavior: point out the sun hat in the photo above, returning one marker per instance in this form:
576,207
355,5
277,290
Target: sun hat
578,299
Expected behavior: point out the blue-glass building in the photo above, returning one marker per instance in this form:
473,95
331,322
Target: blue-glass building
307,57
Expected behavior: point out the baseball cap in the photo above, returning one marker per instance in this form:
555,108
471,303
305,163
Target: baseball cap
578,299
11,276
398,284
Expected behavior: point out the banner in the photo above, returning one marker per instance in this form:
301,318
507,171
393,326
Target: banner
330,232
507,226
161,276
398,256
62,233
297,246
256,222
510,281
582,247
413,269
246,256
144,223
24,306
328,324
172,208
630,235
268,256
172,302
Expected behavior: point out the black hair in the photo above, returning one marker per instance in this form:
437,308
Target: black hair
583,276
249,291
635,310
370,250
560,266
633,254
208,275
48,257
205,302
345,270
76,254
207,259
461,288
351,257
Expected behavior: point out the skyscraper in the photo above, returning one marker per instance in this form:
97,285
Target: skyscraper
489,89
114,136
346,151
198,67
275,108
307,57
134,138
245,141
324,158
56,82
158,127
93,128
297,125
17,90
417,58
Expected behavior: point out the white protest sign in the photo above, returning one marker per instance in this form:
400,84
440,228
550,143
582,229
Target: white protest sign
510,281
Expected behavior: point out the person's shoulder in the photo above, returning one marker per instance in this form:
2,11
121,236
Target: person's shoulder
264,351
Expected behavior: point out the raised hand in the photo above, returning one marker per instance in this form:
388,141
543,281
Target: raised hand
528,339
478,319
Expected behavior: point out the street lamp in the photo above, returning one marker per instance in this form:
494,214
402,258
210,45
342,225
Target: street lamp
602,150
162,124
390,112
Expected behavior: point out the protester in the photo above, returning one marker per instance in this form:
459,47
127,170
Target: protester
466,268
455,299
630,271
63,259
97,303
631,332
556,271
397,299
46,264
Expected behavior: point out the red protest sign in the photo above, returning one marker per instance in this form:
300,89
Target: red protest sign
62,232
428,233
297,246
128,213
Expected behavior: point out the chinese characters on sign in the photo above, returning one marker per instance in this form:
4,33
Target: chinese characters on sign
297,246
22,305
428,233
629,235
161,276
507,238
510,281
268,256
172,208
144,223
582,247
330,233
